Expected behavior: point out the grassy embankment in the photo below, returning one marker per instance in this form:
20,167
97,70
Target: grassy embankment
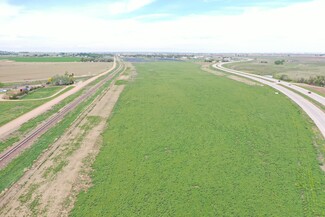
183,142
15,168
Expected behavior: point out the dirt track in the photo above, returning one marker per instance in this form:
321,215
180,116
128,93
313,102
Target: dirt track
10,127
44,192
16,71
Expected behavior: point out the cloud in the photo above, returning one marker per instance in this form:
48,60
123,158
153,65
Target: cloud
295,28
123,7
7,10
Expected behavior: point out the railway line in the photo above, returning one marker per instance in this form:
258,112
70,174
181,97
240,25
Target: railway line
26,142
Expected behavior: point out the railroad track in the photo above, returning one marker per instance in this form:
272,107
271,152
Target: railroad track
50,122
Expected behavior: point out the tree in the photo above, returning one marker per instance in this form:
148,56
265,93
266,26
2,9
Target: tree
65,79
279,62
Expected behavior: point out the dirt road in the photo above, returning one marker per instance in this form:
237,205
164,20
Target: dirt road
50,187
13,125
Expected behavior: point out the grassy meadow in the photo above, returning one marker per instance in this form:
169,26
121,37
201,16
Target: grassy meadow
294,67
9,110
183,142
44,92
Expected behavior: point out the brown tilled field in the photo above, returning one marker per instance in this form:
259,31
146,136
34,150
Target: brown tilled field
17,71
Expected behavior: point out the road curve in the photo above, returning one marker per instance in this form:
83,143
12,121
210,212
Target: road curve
318,98
316,114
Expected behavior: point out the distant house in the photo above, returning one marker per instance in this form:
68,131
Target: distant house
20,91
226,59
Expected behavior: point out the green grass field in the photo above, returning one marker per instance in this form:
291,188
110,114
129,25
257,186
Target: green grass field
294,67
14,109
183,142
42,59
42,92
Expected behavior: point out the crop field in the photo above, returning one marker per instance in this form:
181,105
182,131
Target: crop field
41,59
183,142
18,71
294,67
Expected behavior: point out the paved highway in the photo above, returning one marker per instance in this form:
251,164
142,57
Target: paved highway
316,114
318,98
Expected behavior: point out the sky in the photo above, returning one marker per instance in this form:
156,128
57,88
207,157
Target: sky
212,26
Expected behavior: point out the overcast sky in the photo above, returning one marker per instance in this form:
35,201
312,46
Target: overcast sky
163,25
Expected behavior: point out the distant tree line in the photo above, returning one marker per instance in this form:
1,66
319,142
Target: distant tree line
318,80
96,59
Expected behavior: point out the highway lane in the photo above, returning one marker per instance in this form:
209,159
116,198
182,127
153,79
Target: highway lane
316,114
318,98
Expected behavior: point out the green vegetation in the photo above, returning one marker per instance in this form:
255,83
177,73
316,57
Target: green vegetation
42,59
11,110
278,62
15,169
183,142
28,196
35,121
97,59
317,81
42,93
298,69
121,82
8,142
61,161
65,79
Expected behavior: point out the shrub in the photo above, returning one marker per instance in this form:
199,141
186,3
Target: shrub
279,62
